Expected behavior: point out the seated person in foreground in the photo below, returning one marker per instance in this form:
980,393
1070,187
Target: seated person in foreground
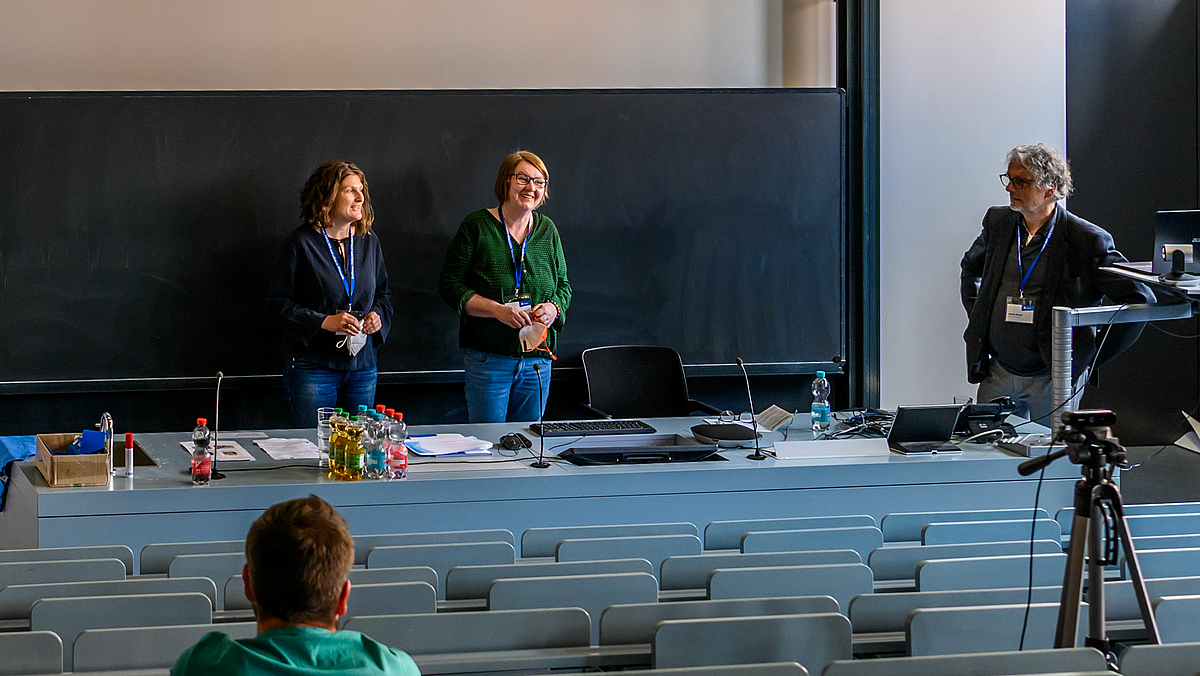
298,554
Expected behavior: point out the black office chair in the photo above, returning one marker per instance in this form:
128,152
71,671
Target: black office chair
638,381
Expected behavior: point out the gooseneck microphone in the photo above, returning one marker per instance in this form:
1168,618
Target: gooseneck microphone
757,454
541,461
216,431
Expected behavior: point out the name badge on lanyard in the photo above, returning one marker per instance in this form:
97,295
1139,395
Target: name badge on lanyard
518,300
1019,309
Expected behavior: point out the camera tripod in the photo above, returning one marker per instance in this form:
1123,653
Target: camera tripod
1098,523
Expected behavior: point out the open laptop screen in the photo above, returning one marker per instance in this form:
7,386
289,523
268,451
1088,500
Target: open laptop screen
924,429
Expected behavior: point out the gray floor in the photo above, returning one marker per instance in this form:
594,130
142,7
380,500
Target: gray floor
1171,475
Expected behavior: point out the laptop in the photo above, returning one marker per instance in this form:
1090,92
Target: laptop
924,429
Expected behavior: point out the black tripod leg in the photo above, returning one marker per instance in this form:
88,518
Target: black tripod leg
1072,590
1135,571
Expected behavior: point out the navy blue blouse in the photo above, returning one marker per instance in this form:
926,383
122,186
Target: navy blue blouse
305,288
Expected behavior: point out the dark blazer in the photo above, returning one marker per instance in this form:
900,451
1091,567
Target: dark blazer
1073,255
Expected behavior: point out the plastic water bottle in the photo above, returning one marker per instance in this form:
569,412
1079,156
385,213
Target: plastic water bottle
337,443
202,453
820,404
374,442
397,452
354,454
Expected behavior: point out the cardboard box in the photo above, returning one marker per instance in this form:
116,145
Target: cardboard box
70,470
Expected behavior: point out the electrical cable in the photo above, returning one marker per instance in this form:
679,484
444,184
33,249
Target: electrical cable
1090,368
1037,496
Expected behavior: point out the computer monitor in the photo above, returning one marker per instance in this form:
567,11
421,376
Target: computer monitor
1177,236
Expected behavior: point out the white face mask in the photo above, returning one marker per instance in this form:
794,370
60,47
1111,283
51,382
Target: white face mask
531,336
354,343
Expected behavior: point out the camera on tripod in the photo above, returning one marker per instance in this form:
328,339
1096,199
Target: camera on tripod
1089,439
1098,527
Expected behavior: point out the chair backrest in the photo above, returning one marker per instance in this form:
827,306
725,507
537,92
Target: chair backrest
392,598
1066,518
653,548
900,563
906,526
235,589
1144,525
636,381
146,647
769,669
861,539
17,600
30,652
120,552
593,593
728,534
1166,542
1120,601
842,581
980,629
442,557
67,617
472,582
1170,659
1012,662
888,612
155,558
811,640
691,572
216,567
1176,618
83,570
1162,508
488,630
635,622
962,532
1182,562
991,572
538,542
363,544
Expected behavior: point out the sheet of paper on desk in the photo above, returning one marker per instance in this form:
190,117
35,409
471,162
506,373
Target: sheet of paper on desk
230,451
836,448
246,434
448,444
289,449
1191,440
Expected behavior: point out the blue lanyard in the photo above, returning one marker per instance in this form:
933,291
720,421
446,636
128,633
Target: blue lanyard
1025,274
517,265
338,264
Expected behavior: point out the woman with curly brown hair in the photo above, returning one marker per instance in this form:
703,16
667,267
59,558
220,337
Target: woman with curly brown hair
329,294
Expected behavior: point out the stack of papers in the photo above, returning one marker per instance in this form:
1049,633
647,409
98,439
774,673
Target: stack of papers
227,451
447,444
289,449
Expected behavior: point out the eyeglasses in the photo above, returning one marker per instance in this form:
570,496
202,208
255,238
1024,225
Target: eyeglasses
1017,182
522,179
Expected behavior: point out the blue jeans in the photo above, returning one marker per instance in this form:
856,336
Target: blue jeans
504,389
307,387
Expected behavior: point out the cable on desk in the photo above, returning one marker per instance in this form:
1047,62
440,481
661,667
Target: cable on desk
270,467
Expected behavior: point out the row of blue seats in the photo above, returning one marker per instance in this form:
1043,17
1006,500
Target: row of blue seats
804,630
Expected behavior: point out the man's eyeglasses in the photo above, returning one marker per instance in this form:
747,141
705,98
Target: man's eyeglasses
522,179
1017,182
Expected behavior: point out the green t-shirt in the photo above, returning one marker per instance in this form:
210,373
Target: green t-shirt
479,261
293,651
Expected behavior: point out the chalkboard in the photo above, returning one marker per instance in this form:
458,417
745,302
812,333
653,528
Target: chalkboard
137,230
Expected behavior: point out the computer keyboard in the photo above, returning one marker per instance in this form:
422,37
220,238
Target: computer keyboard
584,428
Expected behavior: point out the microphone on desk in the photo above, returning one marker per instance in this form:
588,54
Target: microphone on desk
758,454
541,461
216,431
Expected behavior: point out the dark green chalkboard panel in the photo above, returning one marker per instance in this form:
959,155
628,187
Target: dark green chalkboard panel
137,230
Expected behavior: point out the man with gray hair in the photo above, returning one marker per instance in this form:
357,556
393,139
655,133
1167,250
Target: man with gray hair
1031,256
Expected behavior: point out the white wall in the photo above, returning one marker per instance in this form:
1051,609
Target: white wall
962,82
387,44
